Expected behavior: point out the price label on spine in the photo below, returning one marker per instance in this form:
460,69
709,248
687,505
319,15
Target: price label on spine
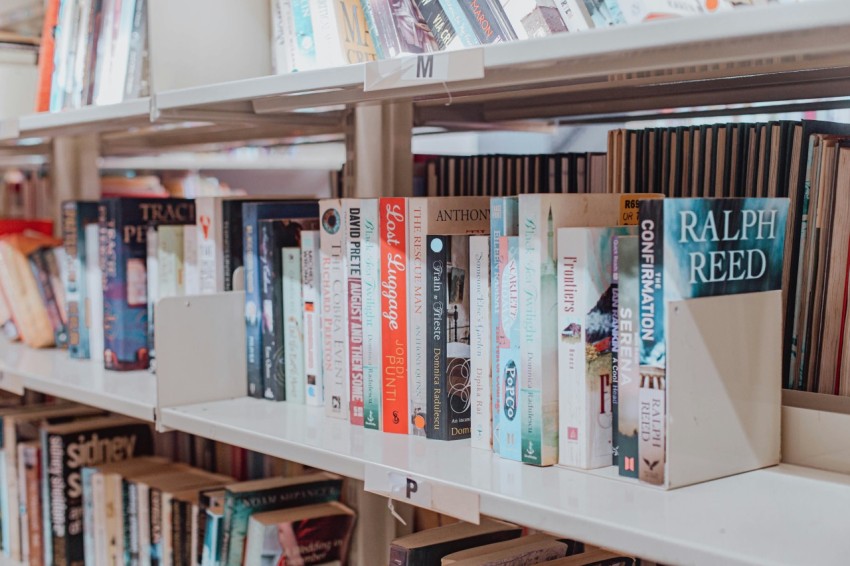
422,492
423,69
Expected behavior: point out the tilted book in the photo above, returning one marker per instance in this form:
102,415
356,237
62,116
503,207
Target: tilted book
431,545
371,278
628,358
399,29
481,420
354,38
76,216
293,329
39,263
312,317
123,251
334,308
585,303
696,248
489,20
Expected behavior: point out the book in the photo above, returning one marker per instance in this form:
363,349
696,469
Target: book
66,449
534,18
219,227
615,348
481,420
539,217
312,317
76,217
429,546
401,28
252,214
628,359
191,268
595,557
489,20
510,366
170,261
39,263
212,532
244,499
312,534
531,549
448,343
585,305
152,281
123,251
46,55
354,38
353,288
462,25
370,257
93,307
696,248
440,25
431,216
334,308
29,460
293,329
326,33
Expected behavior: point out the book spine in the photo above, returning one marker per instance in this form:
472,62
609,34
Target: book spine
628,359
34,532
41,273
575,15
417,319
651,443
293,332
462,25
56,515
115,519
328,49
282,53
253,306
131,523
191,272
538,344
144,523
5,505
479,314
394,350
354,289
305,45
615,347
370,257
485,21
439,24
354,33
457,382
232,244
157,546
100,536
153,279
334,309
74,281
273,367
87,476
209,252
94,295
46,490
310,286
23,519
436,260
510,429
374,34
135,48
169,254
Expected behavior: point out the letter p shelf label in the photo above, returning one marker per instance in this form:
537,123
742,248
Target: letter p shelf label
424,69
408,488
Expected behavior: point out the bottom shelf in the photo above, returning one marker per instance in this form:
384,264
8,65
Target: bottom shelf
781,515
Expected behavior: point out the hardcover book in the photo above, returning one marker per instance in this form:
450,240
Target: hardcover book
628,359
539,217
696,248
123,232
247,498
334,308
371,279
312,317
66,449
293,330
431,216
481,420
428,547
252,214
585,306
309,535
76,216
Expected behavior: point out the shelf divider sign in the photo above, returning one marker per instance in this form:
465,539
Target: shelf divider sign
416,490
424,69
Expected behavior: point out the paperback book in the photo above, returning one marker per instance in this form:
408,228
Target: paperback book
371,279
76,216
481,421
293,330
628,358
312,317
334,308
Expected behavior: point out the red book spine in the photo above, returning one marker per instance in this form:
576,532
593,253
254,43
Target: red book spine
393,213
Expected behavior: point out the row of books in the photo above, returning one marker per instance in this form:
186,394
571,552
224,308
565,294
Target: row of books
92,52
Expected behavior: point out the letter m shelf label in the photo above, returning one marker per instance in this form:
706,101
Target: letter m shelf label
399,485
429,68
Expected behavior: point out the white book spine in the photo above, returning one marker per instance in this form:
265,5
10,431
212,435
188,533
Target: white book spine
94,296
170,261
328,47
574,14
479,306
281,16
417,320
209,240
191,274
334,308
310,288
372,344
98,483
293,334
144,523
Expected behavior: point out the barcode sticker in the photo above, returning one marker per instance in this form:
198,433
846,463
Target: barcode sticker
426,68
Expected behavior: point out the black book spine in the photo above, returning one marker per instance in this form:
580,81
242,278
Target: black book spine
271,301
435,303
437,21
231,236
53,448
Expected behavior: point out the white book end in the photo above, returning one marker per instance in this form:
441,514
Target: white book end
200,349
724,386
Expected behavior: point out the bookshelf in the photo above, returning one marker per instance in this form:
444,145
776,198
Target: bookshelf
777,53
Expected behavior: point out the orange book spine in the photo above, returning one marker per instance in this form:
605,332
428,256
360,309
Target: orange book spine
45,56
393,213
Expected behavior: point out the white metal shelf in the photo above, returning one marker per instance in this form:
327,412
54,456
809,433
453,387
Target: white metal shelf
737,520
86,120
53,372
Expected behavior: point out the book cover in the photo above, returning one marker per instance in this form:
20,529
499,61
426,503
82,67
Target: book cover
507,342
696,248
371,280
245,499
503,222
353,31
38,263
251,214
431,545
123,233
334,308
93,307
628,359
489,20
67,448
534,18
585,306
354,289
431,216
312,317
327,34
481,420
394,337
284,50
402,28
76,216
293,331
448,344
440,25
462,25
539,217
20,289
313,534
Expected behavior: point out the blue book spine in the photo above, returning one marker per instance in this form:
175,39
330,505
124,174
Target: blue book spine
461,24
373,29
88,511
305,41
252,213
76,215
46,539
